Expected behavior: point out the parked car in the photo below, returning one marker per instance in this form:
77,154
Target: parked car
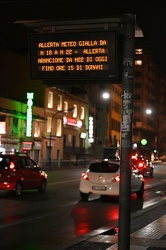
102,177
144,166
19,172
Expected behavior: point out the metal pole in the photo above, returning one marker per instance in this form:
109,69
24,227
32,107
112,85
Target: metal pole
50,146
50,149
126,133
84,154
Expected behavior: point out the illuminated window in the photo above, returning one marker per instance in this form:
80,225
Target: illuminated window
2,127
59,127
50,99
36,129
65,106
59,105
138,51
138,62
82,116
75,111
49,119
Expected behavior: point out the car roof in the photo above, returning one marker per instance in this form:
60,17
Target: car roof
13,154
106,160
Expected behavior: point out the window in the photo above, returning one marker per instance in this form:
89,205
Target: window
31,164
138,73
138,51
59,127
73,142
137,109
138,85
69,138
65,106
75,111
117,107
22,163
82,116
59,105
137,97
49,120
103,167
2,127
36,129
50,99
138,62
115,125
64,140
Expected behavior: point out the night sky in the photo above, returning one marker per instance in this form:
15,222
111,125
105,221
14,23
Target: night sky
150,18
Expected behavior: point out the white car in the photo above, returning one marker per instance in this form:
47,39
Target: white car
102,177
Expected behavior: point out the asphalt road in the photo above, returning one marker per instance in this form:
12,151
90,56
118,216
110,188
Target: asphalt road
43,221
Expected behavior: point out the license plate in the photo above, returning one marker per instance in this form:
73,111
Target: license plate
99,188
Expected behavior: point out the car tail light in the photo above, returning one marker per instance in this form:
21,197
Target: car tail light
12,165
116,178
140,165
84,176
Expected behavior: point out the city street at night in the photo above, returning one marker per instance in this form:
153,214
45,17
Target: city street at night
47,221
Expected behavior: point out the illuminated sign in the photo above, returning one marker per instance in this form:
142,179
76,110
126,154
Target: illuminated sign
90,130
72,122
26,145
29,114
74,56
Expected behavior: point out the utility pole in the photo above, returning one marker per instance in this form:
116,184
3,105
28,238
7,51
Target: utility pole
126,133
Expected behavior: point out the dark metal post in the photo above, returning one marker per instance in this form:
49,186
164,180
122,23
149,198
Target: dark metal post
84,155
50,146
50,149
126,132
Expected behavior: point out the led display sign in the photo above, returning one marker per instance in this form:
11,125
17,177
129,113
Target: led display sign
74,56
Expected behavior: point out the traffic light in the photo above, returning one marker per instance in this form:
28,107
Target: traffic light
144,142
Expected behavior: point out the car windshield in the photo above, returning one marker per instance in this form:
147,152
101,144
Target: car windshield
103,167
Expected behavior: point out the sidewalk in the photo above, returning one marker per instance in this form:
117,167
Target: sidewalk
148,232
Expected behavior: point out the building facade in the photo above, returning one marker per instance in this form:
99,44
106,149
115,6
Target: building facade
149,118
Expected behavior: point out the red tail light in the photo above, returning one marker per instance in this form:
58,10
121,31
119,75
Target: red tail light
116,178
140,164
84,176
12,165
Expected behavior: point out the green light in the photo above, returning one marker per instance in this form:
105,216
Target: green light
29,114
144,141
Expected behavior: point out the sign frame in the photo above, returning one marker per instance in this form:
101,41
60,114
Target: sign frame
79,45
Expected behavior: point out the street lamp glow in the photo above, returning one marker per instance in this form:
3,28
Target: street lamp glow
106,95
148,111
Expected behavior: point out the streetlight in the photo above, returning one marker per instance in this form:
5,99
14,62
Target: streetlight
148,111
105,95
50,147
